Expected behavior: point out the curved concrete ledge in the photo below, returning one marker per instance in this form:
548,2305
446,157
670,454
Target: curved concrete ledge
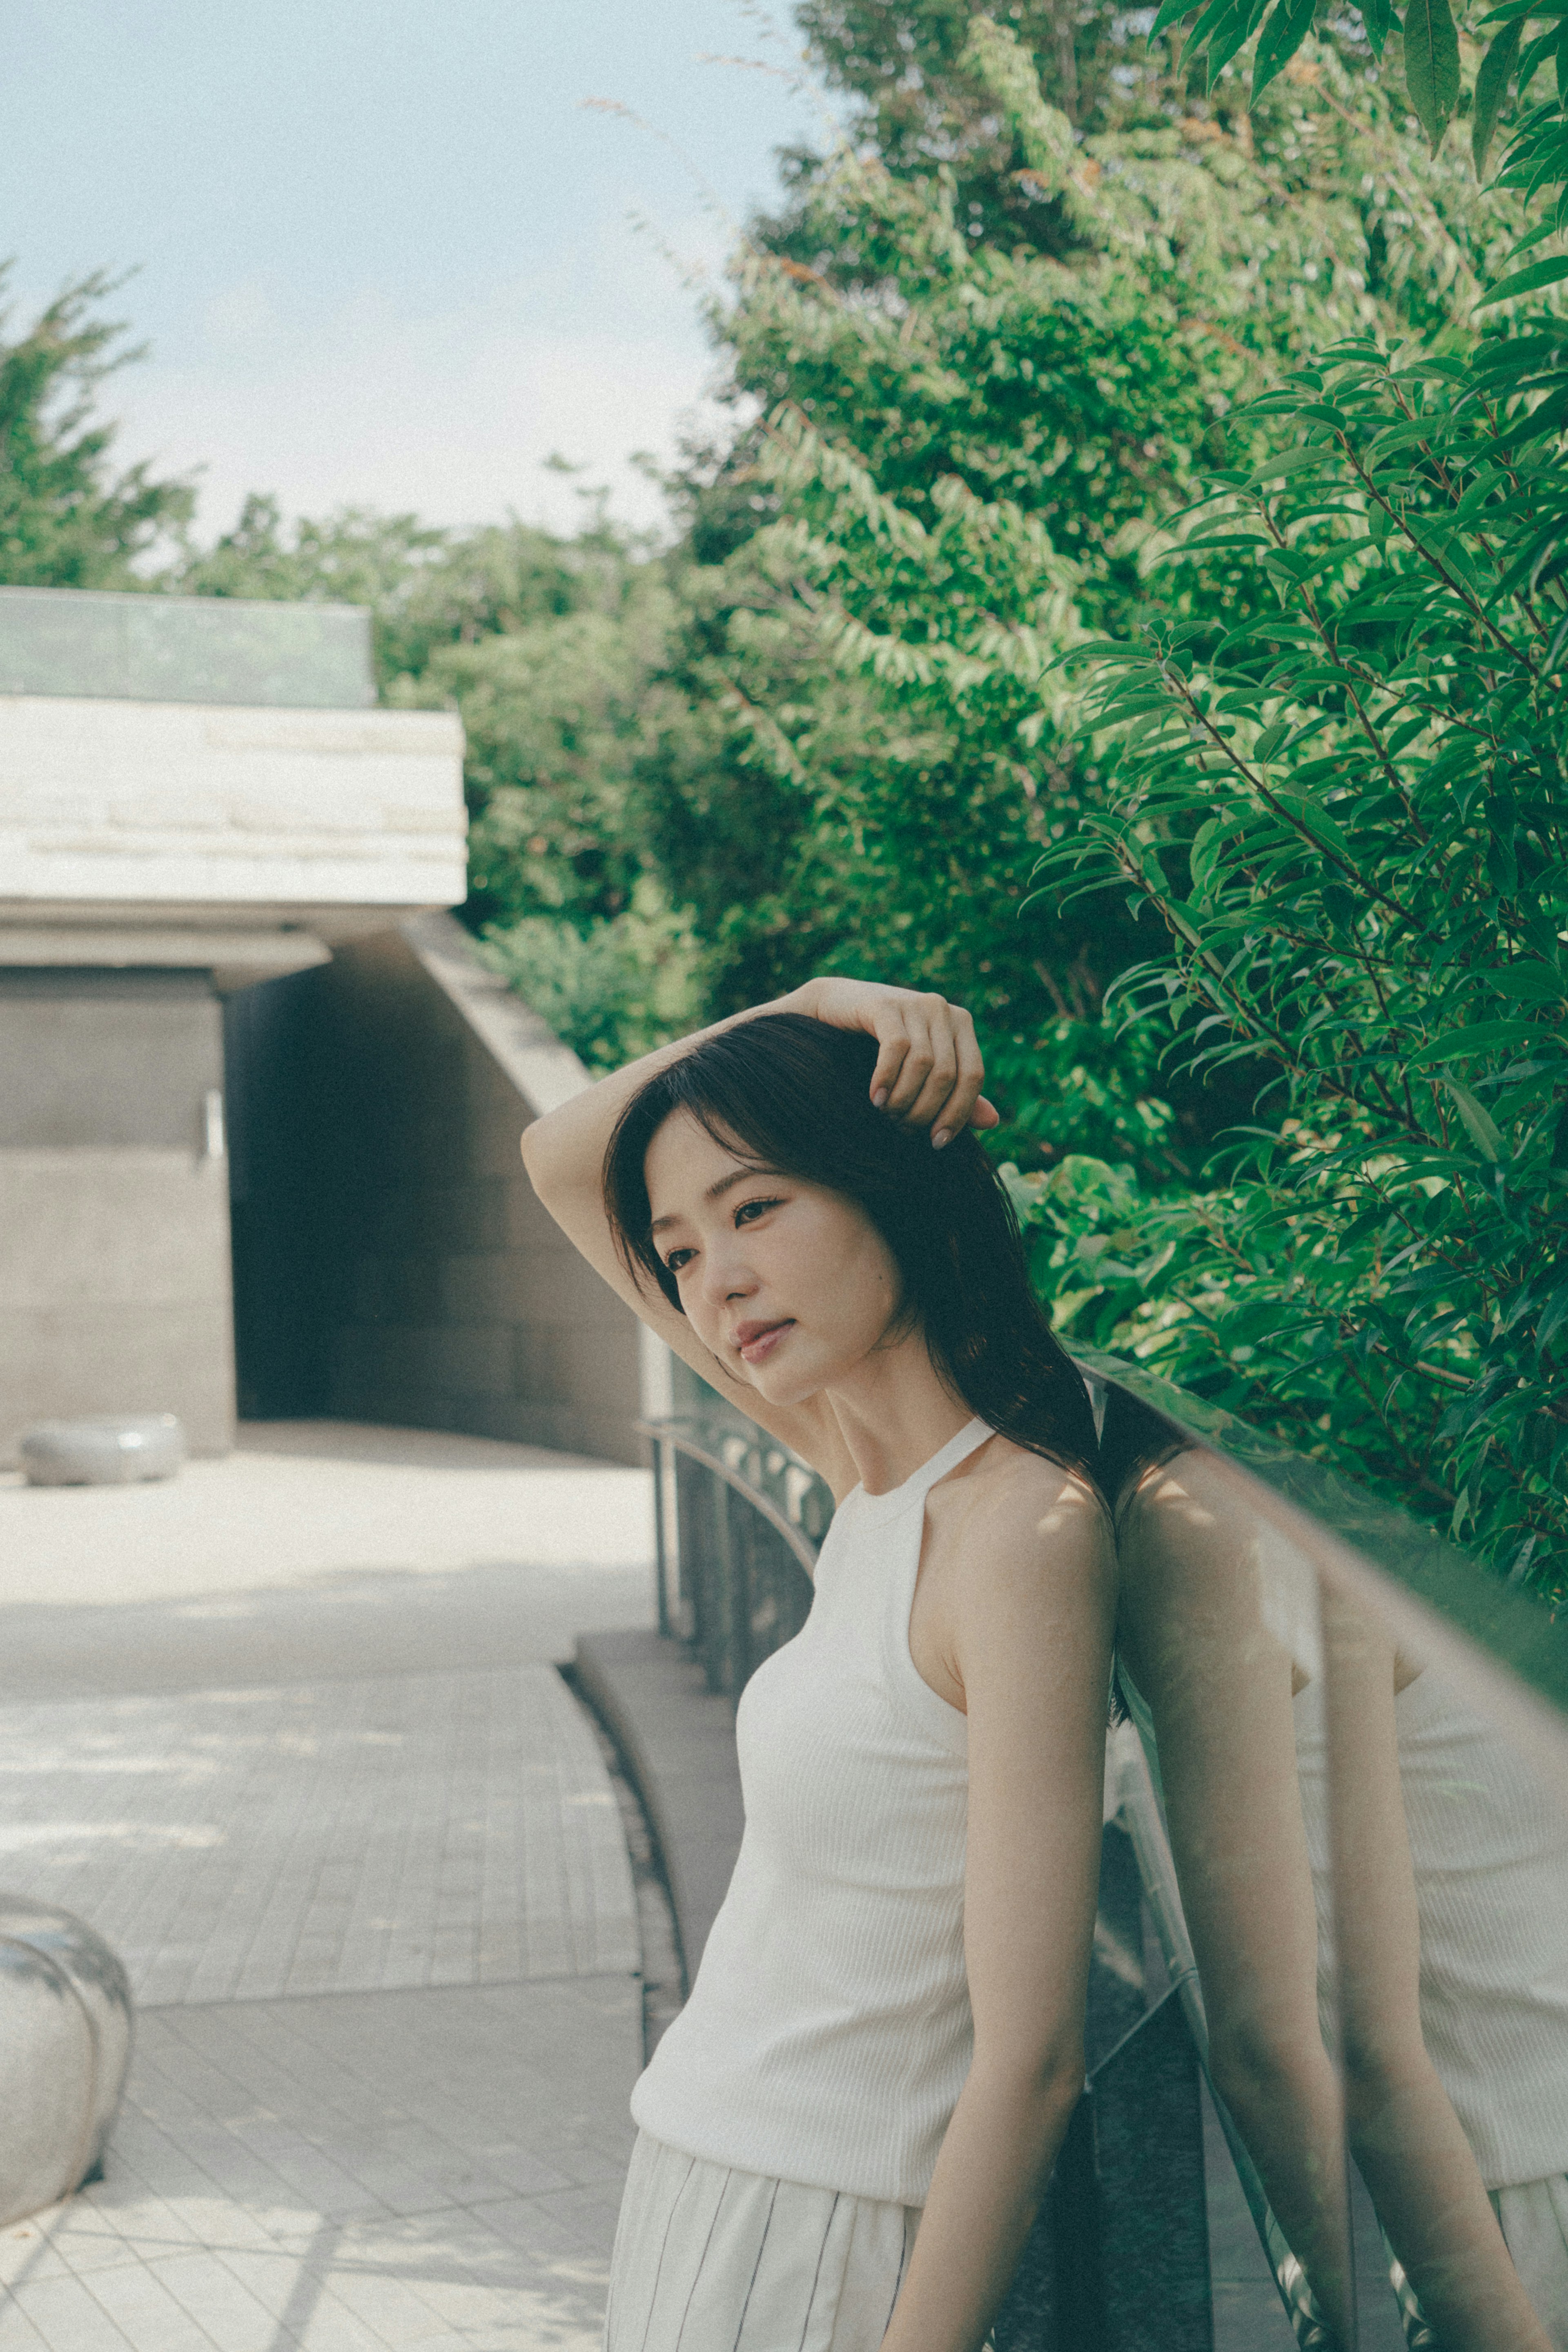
676,1739
64,2048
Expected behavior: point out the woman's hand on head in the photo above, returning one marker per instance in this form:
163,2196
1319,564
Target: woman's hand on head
928,1069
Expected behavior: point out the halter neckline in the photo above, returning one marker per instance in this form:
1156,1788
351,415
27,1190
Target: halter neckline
967,1441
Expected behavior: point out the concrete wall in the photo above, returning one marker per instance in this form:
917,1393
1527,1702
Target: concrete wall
393,1262
114,1240
154,854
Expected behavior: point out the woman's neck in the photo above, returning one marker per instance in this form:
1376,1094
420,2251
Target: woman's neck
895,1411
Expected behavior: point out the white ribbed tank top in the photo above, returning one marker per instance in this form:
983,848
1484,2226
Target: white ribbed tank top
828,2034
1490,1858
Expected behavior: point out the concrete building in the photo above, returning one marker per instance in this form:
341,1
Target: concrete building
259,1099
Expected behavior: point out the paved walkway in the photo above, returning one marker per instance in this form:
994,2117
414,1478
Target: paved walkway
289,1729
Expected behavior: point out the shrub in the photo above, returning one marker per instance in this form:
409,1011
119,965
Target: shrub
611,989
1349,815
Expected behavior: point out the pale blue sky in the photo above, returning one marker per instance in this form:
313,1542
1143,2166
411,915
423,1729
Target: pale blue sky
385,253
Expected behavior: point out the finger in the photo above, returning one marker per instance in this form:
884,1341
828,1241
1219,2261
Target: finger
943,1102
893,1047
932,1106
958,1112
929,1108
986,1114
918,1061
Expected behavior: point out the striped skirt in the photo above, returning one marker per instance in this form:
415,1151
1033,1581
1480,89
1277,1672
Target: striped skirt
1534,2219
707,2260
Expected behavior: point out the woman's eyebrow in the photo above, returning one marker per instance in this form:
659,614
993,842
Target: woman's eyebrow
715,1192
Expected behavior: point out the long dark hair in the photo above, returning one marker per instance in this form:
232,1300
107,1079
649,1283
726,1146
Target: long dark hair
794,1096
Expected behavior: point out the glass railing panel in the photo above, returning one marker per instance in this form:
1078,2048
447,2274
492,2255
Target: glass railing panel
214,649
1220,1667
1424,1789
1449,1850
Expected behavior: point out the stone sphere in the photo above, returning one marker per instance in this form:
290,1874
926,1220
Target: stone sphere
64,2047
106,1451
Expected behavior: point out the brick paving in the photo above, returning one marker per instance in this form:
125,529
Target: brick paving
438,2169
354,1836
382,1926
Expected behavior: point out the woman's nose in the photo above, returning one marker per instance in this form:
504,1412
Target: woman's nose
725,1275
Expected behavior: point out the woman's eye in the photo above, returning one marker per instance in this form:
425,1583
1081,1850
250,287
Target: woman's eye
676,1260
749,1209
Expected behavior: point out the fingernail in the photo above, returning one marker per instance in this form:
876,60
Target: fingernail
880,1098
939,1139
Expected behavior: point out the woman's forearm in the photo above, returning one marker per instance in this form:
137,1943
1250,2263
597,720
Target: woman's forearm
1417,2162
1286,2105
985,2193
564,1151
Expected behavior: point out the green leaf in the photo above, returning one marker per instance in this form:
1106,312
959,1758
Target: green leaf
1229,36
1492,89
1377,16
1317,822
1171,13
1464,1044
1529,65
1283,462
1478,1123
1214,18
1536,982
1431,65
1289,21
1526,282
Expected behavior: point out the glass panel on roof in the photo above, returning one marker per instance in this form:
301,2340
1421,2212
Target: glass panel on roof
152,648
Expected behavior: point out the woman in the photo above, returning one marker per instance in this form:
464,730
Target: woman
885,2034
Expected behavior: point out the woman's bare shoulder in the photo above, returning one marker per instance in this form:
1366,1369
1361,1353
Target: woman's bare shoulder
1018,1512
1024,1570
1009,1479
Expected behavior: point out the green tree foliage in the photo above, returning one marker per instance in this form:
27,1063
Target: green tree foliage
910,68
925,106
1350,816
614,988
924,102
551,691
353,557
968,450
1327,751
68,518
1431,49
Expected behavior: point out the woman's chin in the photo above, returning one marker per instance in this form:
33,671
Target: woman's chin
786,1384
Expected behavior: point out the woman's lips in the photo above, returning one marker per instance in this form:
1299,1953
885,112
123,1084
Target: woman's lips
759,1340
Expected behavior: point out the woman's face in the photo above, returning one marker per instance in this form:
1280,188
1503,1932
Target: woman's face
790,1286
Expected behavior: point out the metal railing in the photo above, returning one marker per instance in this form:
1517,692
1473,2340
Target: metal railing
737,1521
